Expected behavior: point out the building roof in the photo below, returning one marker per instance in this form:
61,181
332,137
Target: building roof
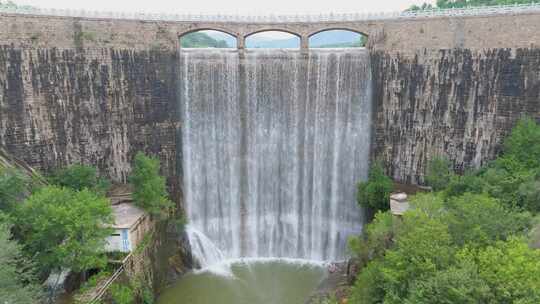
126,215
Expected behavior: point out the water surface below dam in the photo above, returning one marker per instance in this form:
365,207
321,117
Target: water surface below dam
274,143
248,282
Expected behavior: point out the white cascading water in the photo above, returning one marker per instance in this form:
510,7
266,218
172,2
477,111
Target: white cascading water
274,144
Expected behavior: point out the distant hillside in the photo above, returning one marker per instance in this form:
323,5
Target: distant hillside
336,37
358,43
255,42
202,40
328,39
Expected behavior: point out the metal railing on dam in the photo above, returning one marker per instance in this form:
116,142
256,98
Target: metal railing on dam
271,18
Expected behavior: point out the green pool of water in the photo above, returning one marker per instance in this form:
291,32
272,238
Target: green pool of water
252,282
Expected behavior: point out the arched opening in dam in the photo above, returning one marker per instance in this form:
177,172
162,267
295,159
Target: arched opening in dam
274,142
337,38
273,39
208,38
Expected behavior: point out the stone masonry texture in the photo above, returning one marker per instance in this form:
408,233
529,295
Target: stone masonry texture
97,91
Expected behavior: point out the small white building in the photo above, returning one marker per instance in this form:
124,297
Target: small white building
398,203
130,225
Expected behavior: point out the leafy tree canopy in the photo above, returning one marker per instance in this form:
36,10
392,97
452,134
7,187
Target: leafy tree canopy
64,229
468,3
511,269
431,256
13,186
439,173
13,5
17,282
375,192
150,189
78,177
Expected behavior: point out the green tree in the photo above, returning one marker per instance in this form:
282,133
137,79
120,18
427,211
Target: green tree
439,173
513,178
523,144
375,192
468,3
17,282
529,195
469,182
511,269
65,229
457,284
369,287
13,186
480,220
378,236
150,188
423,247
78,177
12,5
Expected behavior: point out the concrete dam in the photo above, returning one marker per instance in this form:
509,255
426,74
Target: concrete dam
263,148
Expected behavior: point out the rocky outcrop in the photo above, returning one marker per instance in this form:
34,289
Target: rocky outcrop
457,103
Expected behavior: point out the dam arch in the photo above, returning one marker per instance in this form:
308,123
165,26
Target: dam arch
362,36
286,34
227,36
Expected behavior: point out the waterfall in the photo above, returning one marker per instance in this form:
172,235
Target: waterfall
203,248
273,145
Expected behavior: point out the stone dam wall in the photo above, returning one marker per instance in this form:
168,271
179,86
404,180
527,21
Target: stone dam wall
96,106
98,90
459,103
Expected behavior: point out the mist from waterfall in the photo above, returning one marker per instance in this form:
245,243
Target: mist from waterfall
274,143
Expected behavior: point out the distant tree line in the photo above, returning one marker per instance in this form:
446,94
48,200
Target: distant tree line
467,3
13,5
201,40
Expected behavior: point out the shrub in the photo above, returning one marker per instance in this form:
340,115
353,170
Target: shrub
423,246
375,192
523,144
460,184
460,284
376,239
439,173
369,286
78,177
17,281
511,269
150,189
13,187
480,220
122,294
